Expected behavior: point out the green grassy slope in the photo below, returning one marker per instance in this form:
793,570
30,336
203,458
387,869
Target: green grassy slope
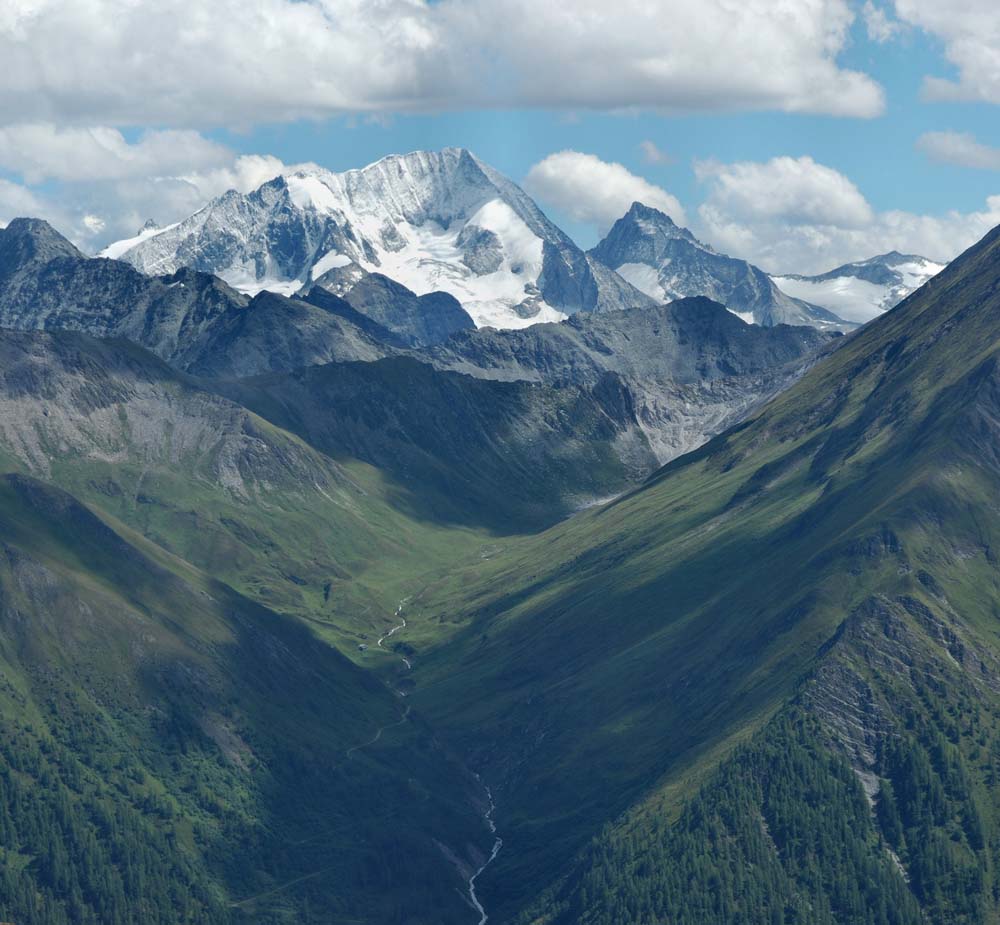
217,485
614,660
173,752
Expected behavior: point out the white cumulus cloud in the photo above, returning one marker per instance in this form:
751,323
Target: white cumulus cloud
881,27
672,55
124,206
970,33
795,189
18,201
94,207
242,62
41,151
793,215
595,192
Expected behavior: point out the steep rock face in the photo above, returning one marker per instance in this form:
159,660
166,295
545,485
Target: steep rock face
274,333
45,283
876,665
668,262
692,367
431,221
863,290
31,242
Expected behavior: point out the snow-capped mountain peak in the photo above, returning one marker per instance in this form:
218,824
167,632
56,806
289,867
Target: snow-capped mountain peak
432,221
666,261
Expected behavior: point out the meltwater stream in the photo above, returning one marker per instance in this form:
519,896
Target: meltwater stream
497,845
491,807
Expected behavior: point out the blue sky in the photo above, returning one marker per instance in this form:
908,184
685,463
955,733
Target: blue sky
795,132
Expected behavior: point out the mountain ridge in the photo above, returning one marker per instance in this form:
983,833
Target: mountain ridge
692,366
667,261
194,320
774,610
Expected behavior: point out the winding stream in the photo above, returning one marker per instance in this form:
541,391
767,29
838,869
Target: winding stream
497,845
393,631
491,807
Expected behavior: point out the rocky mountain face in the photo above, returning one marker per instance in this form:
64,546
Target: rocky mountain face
668,262
418,321
863,290
431,221
508,454
692,367
193,320
462,449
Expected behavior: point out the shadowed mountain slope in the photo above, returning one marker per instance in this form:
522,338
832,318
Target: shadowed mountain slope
692,367
171,751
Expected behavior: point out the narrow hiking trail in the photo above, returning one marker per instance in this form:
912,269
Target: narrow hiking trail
378,735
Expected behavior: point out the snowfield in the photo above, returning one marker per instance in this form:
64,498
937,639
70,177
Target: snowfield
645,278
846,292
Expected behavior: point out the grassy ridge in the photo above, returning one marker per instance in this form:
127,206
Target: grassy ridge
611,656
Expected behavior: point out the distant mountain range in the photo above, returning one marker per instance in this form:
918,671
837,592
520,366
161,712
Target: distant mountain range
861,291
447,229
668,262
444,224
688,370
